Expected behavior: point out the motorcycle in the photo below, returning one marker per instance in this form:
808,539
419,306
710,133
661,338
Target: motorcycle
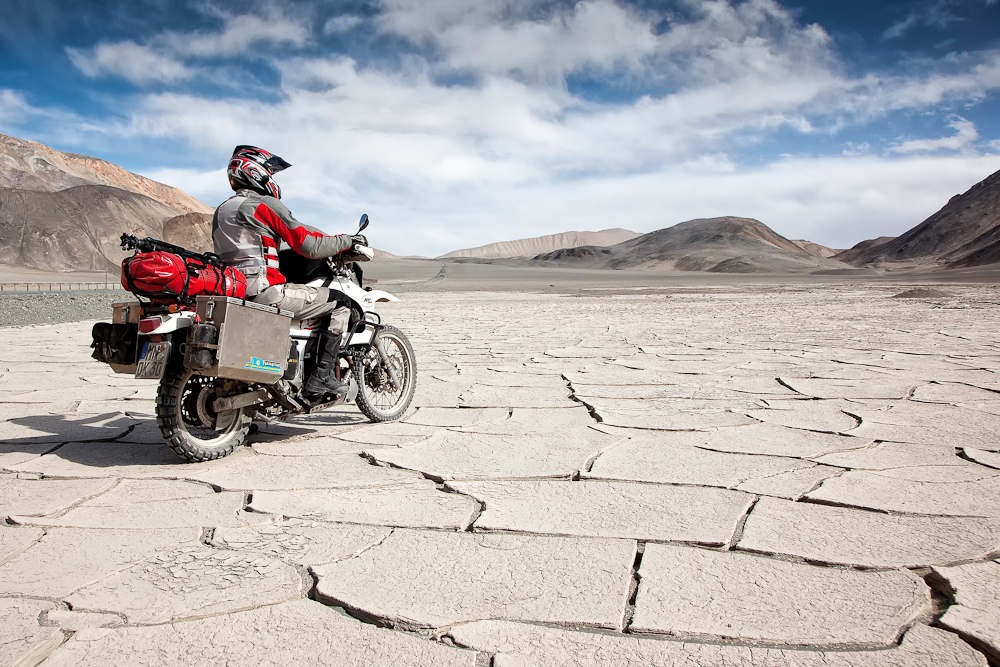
226,362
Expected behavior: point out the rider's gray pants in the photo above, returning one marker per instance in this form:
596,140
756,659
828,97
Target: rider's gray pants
309,304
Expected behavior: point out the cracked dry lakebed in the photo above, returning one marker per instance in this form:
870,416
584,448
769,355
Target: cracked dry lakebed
758,475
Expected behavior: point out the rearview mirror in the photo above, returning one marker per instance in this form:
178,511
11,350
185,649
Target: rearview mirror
363,223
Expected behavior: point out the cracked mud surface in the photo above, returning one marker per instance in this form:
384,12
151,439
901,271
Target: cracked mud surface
758,476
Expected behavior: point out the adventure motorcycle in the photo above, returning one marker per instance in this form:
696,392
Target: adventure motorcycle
223,362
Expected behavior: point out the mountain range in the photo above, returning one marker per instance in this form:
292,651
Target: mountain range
717,245
62,211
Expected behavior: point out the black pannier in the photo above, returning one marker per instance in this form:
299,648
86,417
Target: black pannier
116,344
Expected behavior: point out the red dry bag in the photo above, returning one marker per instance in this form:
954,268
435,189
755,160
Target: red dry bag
164,275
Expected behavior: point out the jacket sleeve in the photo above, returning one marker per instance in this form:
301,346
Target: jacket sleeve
307,241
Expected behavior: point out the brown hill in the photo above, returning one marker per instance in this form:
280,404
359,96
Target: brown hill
815,249
720,245
542,244
77,229
26,165
963,233
65,212
191,230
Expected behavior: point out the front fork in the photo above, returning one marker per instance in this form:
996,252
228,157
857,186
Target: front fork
377,344
390,369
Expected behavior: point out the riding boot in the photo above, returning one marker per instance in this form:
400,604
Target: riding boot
323,379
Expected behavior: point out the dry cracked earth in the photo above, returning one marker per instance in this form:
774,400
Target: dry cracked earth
769,475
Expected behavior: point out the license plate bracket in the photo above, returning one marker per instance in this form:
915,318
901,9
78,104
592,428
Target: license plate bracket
153,360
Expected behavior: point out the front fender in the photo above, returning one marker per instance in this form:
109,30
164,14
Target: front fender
364,298
379,296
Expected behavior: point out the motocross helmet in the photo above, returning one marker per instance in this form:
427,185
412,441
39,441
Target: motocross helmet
252,167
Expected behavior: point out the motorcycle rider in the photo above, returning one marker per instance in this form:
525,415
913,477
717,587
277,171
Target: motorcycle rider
247,230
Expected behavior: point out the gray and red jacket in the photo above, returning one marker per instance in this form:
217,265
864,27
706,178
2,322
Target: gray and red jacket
248,228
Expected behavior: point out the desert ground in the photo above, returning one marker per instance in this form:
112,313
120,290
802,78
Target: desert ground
597,469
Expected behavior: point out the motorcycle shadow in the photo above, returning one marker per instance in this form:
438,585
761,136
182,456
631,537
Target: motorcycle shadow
100,440
70,444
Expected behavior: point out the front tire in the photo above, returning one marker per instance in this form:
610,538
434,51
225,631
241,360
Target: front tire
376,398
188,423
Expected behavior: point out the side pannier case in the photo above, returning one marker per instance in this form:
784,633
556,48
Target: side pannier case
238,339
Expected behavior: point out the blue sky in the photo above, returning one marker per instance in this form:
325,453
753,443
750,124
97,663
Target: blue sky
455,124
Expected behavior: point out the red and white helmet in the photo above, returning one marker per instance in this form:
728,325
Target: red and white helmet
252,167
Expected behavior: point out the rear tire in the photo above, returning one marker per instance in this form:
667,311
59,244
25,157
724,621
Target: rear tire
187,422
376,398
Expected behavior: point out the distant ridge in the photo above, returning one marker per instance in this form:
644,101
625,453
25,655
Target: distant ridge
541,244
851,255
716,245
965,232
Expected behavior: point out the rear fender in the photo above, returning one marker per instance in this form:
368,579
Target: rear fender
168,323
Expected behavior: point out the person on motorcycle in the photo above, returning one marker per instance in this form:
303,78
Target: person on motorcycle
247,230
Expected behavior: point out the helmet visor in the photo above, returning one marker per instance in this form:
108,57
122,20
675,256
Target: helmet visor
274,164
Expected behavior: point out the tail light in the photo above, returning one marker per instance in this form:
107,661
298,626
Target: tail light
149,324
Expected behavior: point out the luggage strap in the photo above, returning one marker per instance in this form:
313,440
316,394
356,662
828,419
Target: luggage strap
149,244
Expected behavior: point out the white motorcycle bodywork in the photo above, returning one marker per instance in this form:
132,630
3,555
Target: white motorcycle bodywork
364,298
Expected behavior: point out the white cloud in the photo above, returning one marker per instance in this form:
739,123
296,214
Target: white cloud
963,77
13,106
720,41
339,24
131,61
936,13
164,59
965,136
240,35
852,149
211,187
595,33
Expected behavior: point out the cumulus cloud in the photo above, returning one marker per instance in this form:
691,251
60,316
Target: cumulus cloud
965,136
136,63
498,36
165,59
240,35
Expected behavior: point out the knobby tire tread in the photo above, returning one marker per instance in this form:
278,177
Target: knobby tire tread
176,436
